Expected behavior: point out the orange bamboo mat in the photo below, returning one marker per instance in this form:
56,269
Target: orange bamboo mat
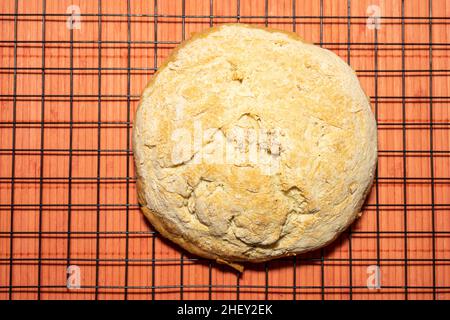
67,187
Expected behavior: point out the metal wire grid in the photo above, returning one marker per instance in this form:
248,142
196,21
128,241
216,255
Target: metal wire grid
131,99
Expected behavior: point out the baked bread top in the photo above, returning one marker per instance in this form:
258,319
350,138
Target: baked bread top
251,144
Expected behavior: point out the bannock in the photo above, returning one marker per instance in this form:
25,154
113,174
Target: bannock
251,144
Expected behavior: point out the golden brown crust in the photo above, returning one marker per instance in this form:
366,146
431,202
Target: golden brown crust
167,232
244,243
196,35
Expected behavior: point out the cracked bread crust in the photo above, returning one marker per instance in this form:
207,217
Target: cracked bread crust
239,76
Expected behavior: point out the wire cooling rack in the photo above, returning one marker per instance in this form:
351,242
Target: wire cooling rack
70,78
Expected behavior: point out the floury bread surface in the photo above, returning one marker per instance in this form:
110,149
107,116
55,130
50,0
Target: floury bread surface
251,144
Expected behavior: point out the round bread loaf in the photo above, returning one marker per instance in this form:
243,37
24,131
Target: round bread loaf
251,144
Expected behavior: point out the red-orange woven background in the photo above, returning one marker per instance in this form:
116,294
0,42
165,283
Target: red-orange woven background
67,101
